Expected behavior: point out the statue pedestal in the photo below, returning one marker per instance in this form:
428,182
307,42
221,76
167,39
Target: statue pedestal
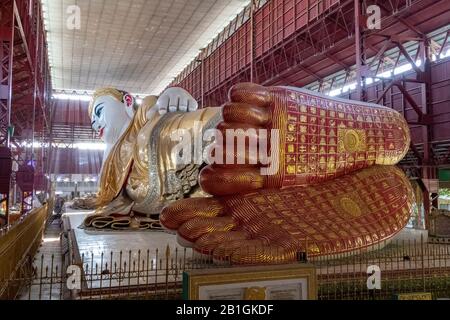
112,260
411,235
111,241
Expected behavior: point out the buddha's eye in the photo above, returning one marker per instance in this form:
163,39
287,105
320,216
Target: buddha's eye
99,112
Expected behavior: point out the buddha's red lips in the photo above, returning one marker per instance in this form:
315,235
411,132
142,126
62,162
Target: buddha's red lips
100,133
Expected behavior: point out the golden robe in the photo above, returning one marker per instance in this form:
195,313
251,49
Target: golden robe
141,175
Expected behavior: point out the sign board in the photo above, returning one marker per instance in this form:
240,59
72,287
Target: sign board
444,175
284,282
414,296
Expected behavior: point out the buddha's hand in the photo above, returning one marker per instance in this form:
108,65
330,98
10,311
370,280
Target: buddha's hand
176,99
308,203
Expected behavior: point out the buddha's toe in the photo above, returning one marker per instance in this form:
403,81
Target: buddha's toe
271,246
195,228
238,146
229,181
210,241
224,251
270,253
254,251
176,214
250,93
234,112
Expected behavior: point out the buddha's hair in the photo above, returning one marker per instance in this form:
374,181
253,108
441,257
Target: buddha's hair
112,92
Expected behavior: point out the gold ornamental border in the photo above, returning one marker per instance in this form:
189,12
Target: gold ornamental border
194,280
20,241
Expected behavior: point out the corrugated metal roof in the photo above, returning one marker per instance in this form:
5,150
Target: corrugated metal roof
136,45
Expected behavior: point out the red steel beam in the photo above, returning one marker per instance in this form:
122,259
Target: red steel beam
24,77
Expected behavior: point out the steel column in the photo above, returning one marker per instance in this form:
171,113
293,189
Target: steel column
252,40
10,81
6,81
429,173
202,81
359,51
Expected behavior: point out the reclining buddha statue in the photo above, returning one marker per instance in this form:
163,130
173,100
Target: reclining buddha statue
139,175
323,180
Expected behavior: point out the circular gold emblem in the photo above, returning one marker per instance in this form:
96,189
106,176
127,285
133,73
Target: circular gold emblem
350,207
351,141
255,293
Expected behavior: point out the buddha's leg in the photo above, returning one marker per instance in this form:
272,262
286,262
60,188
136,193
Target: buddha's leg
349,213
319,138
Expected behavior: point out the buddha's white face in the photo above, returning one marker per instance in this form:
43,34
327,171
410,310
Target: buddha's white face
110,118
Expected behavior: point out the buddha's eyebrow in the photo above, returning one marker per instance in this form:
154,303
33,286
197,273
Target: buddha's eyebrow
95,109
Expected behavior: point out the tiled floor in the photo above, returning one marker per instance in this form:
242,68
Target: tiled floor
47,267
111,259
126,254
95,243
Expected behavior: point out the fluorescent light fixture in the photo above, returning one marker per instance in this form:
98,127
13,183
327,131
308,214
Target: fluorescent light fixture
386,74
81,146
402,69
73,97
83,95
335,92
445,54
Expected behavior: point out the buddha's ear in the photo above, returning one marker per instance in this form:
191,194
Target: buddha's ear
129,102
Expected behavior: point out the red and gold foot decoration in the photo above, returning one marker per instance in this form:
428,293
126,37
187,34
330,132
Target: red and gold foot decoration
335,188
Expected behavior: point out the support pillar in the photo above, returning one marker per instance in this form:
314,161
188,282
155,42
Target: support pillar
6,74
360,54
252,40
202,70
429,171
7,21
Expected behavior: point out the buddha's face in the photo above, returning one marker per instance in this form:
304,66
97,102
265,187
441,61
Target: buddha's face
110,117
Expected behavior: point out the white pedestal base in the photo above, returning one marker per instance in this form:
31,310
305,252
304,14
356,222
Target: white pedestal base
411,235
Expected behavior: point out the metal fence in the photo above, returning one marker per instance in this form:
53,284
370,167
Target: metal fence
142,274
406,267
